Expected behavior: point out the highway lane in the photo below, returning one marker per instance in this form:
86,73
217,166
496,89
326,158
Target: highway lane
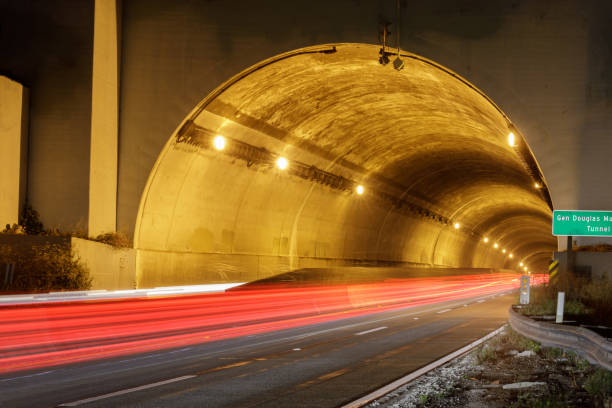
323,363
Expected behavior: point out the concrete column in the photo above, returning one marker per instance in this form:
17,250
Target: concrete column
13,149
104,119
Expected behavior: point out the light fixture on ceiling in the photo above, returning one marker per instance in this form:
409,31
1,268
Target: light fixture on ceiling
511,139
219,142
282,163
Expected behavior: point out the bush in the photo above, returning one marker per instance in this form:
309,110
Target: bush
582,297
44,268
30,221
600,384
116,239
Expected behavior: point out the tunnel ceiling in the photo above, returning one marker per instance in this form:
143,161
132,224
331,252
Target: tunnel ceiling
424,129
422,135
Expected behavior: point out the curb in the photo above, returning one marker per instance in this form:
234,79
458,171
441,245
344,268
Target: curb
416,374
589,345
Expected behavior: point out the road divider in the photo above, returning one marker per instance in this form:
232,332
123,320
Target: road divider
589,345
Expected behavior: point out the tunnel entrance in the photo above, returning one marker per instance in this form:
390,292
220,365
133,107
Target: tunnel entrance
383,167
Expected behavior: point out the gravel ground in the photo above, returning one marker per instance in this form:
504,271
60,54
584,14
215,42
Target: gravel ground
508,371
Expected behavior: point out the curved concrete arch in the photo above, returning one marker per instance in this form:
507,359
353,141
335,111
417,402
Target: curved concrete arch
430,149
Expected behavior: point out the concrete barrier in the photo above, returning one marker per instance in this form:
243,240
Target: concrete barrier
111,268
587,344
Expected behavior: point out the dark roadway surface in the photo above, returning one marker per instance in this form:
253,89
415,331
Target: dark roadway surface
321,365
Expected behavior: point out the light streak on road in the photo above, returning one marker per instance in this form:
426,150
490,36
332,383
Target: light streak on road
42,335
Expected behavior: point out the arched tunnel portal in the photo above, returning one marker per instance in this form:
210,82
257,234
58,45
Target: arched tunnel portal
430,149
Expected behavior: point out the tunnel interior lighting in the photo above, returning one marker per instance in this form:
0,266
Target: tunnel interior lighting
496,245
282,163
511,139
360,189
522,264
457,225
537,185
219,142
503,251
525,268
510,256
485,239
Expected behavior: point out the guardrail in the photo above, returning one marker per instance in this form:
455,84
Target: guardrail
589,345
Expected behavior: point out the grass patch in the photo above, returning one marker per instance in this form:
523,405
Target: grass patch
583,297
500,344
599,384
531,400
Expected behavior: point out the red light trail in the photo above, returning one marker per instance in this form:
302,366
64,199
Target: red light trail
35,336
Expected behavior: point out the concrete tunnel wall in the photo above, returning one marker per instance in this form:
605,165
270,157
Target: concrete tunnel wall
430,149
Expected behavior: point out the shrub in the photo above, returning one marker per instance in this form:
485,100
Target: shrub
116,239
599,383
44,268
30,221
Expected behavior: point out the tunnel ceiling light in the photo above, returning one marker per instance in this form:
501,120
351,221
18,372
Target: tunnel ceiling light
485,239
537,185
503,251
522,264
510,256
282,163
525,268
457,225
511,139
496,245
219,142
360,189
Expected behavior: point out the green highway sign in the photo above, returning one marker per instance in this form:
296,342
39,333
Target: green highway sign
582,223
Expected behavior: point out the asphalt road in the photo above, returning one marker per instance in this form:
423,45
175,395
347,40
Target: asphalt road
323,364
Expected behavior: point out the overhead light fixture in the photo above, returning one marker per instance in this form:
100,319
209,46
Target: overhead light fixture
360,189
521,264
495,245
282,163
537,185
219,142
511,139
485,239
503,251
457,225
510,256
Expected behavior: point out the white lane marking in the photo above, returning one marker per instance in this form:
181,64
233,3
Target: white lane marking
371,331
464,305
415,374
297,349
415,318
444,311
178,351
126,391
27,376
480,301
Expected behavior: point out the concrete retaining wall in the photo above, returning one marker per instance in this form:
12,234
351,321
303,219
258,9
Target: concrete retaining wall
596,264
111,268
